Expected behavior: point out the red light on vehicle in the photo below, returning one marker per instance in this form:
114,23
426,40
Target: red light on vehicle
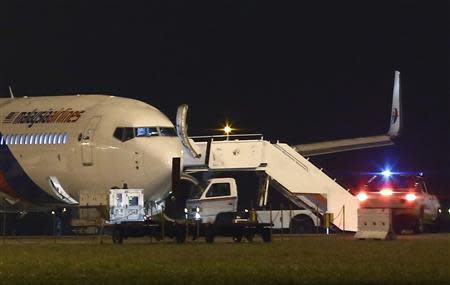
362,196
386,192
410,197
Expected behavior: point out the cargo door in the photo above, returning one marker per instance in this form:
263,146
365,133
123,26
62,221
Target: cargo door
87,137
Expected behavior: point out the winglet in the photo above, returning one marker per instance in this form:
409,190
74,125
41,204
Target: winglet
396,112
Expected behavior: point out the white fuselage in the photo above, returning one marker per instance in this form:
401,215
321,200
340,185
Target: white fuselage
73,138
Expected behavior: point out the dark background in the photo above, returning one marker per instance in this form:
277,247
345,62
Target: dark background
296,72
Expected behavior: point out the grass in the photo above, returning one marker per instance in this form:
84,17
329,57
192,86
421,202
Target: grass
303,260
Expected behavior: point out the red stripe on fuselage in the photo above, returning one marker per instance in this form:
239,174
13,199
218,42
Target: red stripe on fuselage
5,188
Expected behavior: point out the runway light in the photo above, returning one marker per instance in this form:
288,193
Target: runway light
386,192
362,196
386,173
410,197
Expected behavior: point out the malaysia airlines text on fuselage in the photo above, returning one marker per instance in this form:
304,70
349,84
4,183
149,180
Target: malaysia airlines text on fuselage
43,117
86,143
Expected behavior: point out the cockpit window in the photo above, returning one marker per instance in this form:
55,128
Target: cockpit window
167,132
146,132
123,134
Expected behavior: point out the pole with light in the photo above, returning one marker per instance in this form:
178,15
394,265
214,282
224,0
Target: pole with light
227,130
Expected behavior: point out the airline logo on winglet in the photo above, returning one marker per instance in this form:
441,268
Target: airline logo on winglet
43,117
395,115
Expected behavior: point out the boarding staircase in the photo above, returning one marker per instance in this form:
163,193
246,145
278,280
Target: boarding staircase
298,179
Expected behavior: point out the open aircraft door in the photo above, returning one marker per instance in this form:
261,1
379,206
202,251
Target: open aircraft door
86,141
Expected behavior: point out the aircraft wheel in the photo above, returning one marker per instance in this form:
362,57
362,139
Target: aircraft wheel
266,235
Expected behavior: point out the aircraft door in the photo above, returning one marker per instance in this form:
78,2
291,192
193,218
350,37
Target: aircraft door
86,141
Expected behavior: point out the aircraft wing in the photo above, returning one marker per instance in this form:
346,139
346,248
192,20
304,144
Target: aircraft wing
334,146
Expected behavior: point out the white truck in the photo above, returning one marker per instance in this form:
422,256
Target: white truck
220,195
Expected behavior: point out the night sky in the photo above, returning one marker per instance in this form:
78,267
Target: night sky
295,72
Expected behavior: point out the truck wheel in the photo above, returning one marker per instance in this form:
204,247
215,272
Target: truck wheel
418,225
209,233
249,237
302,224
266,235
117,236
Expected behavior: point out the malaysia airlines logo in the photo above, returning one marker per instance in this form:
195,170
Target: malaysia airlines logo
64,115
395,115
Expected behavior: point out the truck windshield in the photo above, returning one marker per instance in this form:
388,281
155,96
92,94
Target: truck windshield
197,191
397,182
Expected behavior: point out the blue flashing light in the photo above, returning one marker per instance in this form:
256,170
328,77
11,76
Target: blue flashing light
386,173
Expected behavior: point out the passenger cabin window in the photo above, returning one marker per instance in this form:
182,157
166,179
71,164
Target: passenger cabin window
219,190
65,138
40,138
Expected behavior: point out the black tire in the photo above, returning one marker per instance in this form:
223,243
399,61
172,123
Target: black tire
249,237
209,233
180,234
237,237
266,235
419,226
435,227
302,224
117,236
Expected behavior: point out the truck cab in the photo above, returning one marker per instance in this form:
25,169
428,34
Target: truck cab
219,195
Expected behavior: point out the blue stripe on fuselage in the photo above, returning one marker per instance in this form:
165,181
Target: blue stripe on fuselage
19,181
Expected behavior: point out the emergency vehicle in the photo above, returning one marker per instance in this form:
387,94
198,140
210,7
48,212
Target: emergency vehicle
413,206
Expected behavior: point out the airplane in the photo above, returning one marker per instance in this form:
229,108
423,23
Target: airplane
53,148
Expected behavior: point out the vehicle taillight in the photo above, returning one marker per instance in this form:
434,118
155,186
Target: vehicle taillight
410,197
386,192
362,196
